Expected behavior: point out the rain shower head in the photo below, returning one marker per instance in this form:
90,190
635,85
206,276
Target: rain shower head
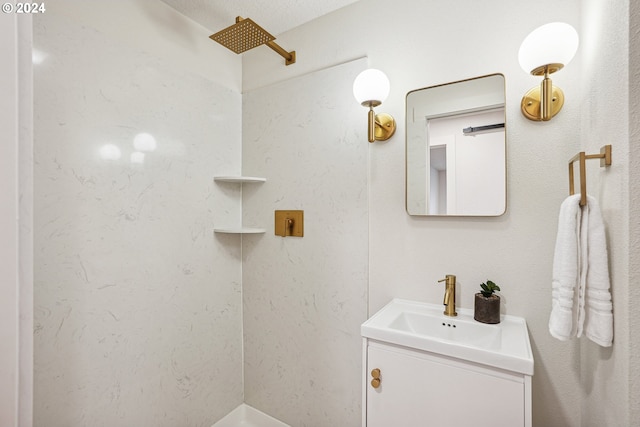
242,36
245,35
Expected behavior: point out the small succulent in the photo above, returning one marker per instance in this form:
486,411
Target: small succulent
488,288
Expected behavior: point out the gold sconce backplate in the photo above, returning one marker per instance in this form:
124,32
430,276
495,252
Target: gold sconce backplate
385,127
530,104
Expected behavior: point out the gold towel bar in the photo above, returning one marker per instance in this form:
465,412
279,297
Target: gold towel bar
605,160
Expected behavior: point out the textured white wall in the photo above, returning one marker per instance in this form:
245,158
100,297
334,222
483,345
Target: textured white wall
605,375
25,178
154,27
419,44
634,210
9,249
137,303
305,298
16,222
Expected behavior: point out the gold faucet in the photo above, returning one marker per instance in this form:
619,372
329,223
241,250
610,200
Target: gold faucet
449,295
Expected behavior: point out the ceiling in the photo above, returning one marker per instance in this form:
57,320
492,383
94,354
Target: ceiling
275,16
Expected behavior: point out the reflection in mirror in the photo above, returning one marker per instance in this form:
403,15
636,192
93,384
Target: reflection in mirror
456,148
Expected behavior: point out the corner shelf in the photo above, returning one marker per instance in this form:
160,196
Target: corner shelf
240,180
242,230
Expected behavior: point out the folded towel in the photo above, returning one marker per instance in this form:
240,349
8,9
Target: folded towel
566,271
581,300
598,317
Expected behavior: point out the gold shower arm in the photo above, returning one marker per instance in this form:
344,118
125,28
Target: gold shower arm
290,57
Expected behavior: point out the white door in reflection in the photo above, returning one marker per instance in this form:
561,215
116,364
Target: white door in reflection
466,171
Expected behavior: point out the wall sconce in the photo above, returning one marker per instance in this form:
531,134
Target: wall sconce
371,88
544,51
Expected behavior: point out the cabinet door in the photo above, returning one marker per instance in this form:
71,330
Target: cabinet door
419,390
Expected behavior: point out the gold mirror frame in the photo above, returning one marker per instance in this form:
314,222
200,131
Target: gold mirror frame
472,100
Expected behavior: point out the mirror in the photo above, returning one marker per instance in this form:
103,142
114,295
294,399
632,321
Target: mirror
456,148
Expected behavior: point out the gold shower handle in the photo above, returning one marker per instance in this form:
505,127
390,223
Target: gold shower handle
289,223
288,227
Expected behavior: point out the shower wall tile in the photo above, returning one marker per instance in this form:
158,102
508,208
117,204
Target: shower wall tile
137,303
305,298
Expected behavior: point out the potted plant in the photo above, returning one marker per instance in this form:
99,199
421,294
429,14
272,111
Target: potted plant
487,303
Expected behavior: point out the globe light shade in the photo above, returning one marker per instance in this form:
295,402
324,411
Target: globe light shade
554,43
371,86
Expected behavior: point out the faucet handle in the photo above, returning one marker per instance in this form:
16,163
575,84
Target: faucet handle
450,279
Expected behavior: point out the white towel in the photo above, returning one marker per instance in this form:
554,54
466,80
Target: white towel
598,313
566,269
580,285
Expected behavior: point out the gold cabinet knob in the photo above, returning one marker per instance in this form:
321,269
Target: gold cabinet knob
375,382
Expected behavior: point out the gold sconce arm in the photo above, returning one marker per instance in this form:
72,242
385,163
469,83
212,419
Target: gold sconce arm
380,126
372,124
543,102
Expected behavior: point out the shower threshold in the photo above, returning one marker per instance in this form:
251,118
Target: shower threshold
247,416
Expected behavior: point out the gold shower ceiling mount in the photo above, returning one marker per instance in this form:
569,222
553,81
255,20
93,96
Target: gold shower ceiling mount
245,35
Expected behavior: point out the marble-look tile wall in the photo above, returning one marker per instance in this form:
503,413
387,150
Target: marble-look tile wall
137,303
305,298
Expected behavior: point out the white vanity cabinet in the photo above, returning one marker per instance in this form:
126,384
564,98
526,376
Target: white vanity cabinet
419,389
422,369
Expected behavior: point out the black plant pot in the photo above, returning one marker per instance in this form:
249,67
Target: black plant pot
487,309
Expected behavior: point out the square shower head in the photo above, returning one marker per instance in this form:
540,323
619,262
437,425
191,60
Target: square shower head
242,36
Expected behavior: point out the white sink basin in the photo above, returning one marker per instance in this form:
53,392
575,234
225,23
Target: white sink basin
423,326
